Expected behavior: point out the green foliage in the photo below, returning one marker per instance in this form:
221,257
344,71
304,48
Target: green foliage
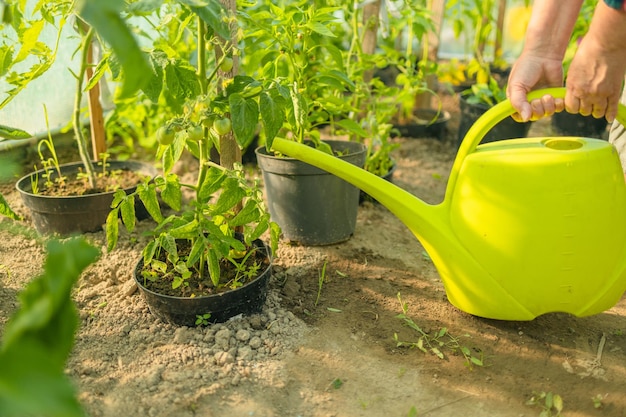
5,210
437,341
294,47
20,34
551,404
7,132
105,18
486,93
38,338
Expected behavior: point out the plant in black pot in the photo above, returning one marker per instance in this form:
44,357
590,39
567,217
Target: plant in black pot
474,102
413,71
75,197
311,206
205,261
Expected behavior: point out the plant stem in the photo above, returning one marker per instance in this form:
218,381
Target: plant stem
201,70
78,128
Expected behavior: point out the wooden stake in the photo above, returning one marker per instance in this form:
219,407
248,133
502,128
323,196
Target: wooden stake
96,118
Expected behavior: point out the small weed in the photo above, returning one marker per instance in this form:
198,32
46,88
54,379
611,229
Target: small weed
320,282
335,384
412,412
551,404
598,401
434,343
203,320
618,332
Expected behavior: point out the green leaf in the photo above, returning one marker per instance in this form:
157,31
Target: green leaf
148,196
231,196
558,403
321,29
181,82
212,182
39,336
171,192
214,268
244,114
128,212
7,132
29,39
154,86
198,247
168,243
6,59
98,73
144,7
6,211
185,231
476,361
247,215
149,251
105,18
353,127
211,13
437,353
112,229
273,114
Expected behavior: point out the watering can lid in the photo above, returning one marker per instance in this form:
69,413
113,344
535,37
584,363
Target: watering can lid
565,144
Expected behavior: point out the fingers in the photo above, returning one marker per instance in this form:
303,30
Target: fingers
517,97
596,106
544,107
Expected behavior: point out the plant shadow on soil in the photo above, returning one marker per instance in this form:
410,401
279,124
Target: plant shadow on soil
331,354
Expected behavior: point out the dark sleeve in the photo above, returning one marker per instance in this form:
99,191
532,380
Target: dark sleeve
616,4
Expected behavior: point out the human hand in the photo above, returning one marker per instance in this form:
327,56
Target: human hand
594,80
530,73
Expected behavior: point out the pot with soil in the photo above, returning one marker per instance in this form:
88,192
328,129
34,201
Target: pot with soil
505,129
568,124
193,300
60,201
424,123
311,206
363,196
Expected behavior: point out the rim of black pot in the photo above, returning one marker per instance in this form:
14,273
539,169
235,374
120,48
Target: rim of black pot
27,179
172,297
262,150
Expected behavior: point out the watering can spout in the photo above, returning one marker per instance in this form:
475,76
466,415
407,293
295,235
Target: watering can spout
528,226
419,216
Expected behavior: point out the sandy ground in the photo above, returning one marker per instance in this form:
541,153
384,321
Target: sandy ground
334,355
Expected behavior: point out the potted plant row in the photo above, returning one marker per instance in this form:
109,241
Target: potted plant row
74,197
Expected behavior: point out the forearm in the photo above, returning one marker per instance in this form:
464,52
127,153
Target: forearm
608,29
550,27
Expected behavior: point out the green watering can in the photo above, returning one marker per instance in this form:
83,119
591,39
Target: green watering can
527,226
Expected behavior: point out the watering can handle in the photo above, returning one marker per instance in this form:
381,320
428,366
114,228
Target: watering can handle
499,112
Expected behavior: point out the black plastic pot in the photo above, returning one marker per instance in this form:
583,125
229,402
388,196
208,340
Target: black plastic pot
363,196
66,215
311,206
183,311
431,124
568,124
506,129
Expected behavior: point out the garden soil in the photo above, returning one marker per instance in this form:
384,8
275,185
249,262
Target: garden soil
329,350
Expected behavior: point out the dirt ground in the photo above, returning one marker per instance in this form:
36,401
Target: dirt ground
330,352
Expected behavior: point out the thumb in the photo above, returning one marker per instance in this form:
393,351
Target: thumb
517,97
